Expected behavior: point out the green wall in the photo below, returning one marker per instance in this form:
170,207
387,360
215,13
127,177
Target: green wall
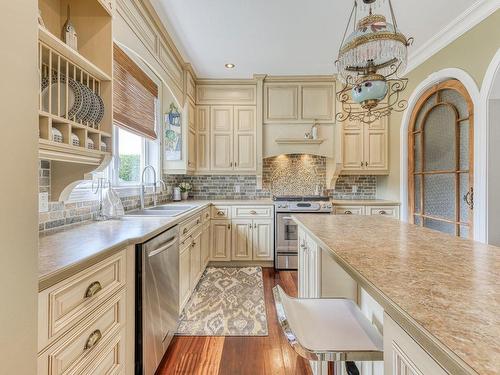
472,52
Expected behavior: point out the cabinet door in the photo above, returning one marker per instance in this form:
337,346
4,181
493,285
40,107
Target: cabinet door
263,239
221,122
184,275
220,234
203,138
244,138
303,271
191,116
241,239
375,150
317,102
195,262
404,356
313,268
191,149
281,102
205,247
352,149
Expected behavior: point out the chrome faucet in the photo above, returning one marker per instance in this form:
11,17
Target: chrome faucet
143,186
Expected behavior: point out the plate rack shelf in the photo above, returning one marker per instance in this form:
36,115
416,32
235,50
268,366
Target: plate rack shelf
75,91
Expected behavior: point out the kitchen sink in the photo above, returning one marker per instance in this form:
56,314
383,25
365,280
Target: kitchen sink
170,207
163,211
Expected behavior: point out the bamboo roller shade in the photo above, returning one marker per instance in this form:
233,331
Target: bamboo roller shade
134,95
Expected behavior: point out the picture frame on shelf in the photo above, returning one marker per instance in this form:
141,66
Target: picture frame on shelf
173,134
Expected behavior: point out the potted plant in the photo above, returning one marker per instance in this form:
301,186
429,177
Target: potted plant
185,188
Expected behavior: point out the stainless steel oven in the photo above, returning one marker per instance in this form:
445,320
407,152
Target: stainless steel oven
286,231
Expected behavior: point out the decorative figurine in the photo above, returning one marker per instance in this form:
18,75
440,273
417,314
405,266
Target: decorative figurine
69,33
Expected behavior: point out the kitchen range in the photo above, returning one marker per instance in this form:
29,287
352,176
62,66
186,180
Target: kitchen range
286,230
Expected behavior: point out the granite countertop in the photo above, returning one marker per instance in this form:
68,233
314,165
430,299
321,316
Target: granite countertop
64,252
443,290
364,202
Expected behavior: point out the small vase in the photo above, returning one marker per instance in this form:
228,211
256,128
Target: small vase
184,195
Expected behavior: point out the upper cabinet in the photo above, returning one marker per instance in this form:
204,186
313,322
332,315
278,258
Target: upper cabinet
216,94
365,147
75,96
226,128
299,102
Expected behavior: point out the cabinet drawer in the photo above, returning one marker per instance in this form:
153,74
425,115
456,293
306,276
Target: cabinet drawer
349,210
187,227
112,358
205,215
392,211
248,212
86,341
65,304
221,212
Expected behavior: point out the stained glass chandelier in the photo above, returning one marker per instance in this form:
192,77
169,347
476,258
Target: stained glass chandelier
369,62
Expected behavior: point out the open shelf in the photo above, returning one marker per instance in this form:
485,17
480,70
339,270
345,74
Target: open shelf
302,141
70,54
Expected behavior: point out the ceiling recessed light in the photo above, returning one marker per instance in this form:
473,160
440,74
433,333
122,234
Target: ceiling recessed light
230,66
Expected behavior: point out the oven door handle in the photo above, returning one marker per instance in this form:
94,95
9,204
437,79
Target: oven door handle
287,218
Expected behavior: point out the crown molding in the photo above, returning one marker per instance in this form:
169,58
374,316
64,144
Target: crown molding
459,26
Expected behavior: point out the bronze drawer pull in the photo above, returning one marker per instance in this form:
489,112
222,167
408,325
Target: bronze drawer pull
93,339
185,231
348,212
220,213
93,289
253,212
382,212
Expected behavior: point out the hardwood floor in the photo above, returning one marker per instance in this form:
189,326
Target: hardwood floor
196,355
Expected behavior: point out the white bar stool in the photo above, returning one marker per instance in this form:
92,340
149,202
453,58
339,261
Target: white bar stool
333,330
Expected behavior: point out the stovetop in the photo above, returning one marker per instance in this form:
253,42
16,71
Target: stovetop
300,198
314,203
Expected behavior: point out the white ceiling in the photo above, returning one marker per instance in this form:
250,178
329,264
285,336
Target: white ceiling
282,37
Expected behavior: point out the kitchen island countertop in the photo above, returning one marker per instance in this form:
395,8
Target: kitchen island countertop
443,290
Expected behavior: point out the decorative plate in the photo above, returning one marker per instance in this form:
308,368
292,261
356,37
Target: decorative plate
101,112
57,135
75,141
94,110
87,102
75,100
90,144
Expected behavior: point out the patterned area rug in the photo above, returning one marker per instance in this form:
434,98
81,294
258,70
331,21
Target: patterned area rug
226,302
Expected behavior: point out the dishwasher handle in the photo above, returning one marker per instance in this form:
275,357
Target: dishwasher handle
162,249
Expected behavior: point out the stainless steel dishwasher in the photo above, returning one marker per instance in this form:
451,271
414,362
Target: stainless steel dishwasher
157,299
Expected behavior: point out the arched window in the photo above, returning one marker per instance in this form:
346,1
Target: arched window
440,166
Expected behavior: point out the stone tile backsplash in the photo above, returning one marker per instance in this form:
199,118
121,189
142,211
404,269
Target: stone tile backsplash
282,175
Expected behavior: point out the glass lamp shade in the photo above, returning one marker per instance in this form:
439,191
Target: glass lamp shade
370,91
376,41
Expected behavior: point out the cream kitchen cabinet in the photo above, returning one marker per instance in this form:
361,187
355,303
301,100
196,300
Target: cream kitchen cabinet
220,234
309,269
233,138
191,146
195,264
365,148
203,138
299,102
184,273
205,244
85,324
404,356
252,239
370,210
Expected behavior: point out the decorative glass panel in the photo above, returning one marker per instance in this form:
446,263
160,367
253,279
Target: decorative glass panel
418,220
439,195
464,188
458,101
418,188
440,226
439,138
423,110
418,153
464,145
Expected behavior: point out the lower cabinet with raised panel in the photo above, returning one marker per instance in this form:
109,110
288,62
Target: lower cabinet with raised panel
252,239
86,324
